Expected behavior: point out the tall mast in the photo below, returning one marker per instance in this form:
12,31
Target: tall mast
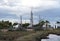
39,18
31,19
21,20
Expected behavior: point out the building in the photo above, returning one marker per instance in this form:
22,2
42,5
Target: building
49,27
57,25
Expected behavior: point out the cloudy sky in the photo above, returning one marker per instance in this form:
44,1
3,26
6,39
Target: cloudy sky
47,9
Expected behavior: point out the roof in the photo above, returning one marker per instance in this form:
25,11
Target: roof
16,26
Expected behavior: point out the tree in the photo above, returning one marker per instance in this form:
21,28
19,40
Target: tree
5,24
47,23
41,23
25,25
39,26
58,22
15,24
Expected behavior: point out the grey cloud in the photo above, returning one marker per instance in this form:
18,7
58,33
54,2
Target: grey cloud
1,1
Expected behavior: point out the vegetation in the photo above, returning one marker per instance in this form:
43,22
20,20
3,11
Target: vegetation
12,35
47,23
39,26
5,24
15,24
25,25
58,22
35,35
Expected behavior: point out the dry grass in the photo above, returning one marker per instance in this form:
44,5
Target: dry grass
11,35
37,36
24,35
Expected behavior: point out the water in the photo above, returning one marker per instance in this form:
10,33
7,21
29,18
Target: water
52,37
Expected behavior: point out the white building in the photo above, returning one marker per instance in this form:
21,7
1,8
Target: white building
16,27
57,25
48,26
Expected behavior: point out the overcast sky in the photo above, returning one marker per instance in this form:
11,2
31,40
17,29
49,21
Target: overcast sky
47,9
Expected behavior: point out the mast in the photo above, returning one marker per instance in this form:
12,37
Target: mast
21,21
31,19
39,20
